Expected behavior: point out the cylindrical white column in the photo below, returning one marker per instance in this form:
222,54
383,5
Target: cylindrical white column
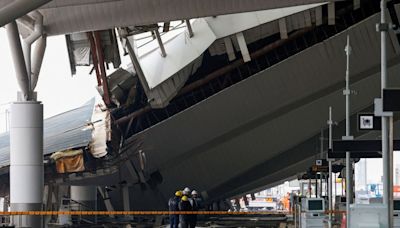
26,161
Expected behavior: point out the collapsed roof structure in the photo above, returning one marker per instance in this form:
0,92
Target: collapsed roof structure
227,104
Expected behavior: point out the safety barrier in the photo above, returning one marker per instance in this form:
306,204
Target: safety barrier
8,213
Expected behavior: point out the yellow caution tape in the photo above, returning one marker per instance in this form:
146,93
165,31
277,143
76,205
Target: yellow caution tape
8,213
140,213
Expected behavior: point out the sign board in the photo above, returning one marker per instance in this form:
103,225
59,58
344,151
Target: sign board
317,168
391,98
367,121
321,162
361,145
359,148
354,154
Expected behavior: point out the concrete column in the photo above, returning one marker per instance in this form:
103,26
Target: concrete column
86,196
26,161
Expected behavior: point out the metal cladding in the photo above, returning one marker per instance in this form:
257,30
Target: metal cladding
11,10
63,17
184,54
274,128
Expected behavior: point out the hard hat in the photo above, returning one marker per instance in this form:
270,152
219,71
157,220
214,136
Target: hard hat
194,192
186,191
185,198
178,193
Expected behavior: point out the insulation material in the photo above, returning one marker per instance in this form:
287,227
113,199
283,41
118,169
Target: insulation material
80,48
82,56
79,51
101,133
69,161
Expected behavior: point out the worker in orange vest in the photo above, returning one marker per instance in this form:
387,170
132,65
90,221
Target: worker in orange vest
286,201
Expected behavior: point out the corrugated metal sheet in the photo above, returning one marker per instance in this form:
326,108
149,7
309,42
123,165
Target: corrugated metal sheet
64,131
69,16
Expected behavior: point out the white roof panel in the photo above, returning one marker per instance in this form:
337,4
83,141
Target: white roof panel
182,50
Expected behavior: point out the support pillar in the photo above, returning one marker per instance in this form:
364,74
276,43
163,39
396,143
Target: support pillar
5,219
330,173
106,199
243,47
189,27
160,43
331,13
318,16
349,162
387,123
230,51
283,28
26,162
100,58
5,203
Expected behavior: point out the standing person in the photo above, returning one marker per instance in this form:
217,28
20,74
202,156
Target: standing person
196,206
286,200
173,205
198,199
184,206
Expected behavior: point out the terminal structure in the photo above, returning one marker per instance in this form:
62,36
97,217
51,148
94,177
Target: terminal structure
228,97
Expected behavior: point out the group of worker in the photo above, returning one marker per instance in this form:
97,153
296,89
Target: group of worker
185,200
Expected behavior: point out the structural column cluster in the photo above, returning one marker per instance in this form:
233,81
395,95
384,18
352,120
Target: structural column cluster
26,127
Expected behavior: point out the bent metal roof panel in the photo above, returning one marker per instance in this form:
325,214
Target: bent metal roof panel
63,131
